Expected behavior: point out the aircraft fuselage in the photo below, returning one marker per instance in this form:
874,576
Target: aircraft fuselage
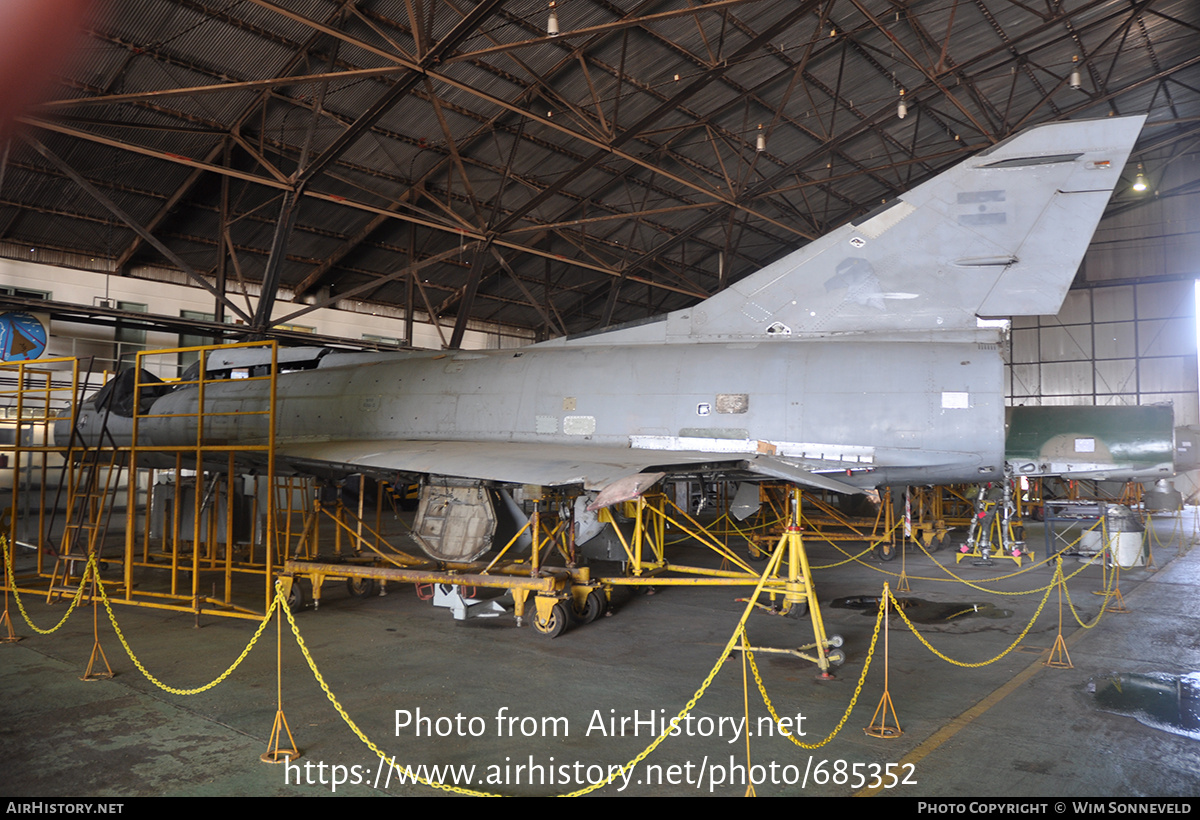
894,412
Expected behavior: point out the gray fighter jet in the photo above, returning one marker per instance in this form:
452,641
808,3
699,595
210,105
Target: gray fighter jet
865,359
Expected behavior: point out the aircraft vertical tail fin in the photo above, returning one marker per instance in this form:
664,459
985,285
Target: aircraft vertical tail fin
1000,234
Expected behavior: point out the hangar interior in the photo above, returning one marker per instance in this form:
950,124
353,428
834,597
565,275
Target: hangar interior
440,175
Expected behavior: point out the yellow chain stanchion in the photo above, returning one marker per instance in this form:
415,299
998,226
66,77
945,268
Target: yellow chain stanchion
1114,594
879,726
6,623
93,674
274,753
10,582
1112,581
1059,658
750,792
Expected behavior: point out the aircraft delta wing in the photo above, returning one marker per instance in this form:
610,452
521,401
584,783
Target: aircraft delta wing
858,361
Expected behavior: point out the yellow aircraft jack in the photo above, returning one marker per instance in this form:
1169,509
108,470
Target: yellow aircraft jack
798,598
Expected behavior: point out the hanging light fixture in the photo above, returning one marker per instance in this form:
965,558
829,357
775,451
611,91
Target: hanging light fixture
902,108
552,23
761,144
1076,80
1139,182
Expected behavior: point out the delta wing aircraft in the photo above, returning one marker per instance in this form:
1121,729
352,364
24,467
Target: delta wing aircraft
870,357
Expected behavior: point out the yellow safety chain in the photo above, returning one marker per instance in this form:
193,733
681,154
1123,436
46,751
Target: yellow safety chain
816,534
21,606
280,604
1107,594
765,526
849,560
858,557
670,725
991,591
129,650
845,715
948,659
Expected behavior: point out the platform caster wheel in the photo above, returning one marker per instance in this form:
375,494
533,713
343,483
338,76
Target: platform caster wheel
295,598
886,551
361,587
835,641
555,624
593,607
937,543
795,610
756,554
836,658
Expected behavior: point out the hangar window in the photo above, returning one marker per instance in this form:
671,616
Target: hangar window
129,339
25,293
383,341
188,357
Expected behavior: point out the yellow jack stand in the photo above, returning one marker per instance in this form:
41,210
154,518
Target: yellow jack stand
879,723
799,598
799,589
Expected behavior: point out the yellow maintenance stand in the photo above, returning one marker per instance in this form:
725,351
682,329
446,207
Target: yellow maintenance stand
788,582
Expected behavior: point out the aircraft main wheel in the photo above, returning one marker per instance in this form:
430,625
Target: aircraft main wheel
593,607
886,551
836,658
555,624
361,587
295,598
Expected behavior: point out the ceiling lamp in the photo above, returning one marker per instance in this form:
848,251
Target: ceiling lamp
1139,182
902,108
761,144
1076,80
552,23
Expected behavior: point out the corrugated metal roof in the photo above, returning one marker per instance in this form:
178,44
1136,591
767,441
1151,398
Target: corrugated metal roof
632,143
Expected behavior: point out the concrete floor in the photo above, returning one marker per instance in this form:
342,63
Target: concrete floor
1013,728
